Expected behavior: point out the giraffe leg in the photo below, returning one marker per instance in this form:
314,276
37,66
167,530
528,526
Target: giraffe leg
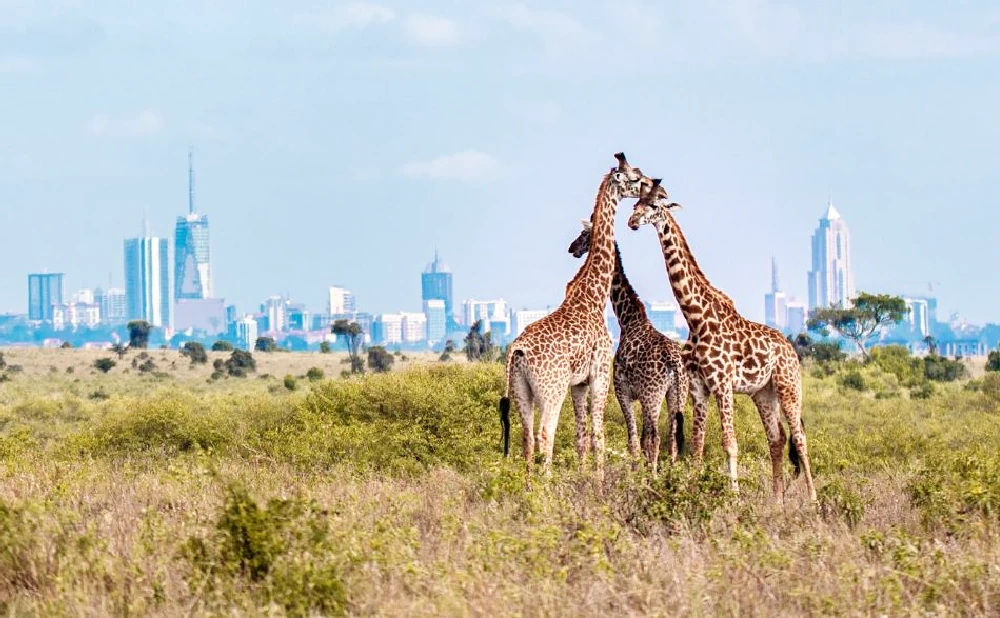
699,398
579,394
623,395
551,407
724,397
677,396
521,392
769,408
789,391
600,383
651,429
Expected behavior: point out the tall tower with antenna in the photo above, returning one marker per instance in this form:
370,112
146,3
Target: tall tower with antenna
192,258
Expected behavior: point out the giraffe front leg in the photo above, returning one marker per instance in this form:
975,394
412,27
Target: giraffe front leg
724,397
600,383
625,403
579,394
699,397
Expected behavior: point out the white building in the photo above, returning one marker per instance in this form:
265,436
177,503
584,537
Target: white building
524,317
72,315
485,310
85,296
831,281
340,302
388,328
775,302
277,317
795,321
244,332
147,280
918,318
413,327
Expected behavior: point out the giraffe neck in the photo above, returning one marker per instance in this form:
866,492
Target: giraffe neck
592,284
694,293
628,307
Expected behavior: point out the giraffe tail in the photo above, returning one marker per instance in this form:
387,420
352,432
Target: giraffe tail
680,432
793,452
505,400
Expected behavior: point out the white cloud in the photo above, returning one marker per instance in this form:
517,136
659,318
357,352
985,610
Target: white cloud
146,123
469,165
350,15
432,31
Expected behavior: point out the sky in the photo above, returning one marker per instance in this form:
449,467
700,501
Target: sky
341,143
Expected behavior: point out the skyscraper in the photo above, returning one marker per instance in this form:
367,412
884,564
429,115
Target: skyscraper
435,284
44,290
831,281
147,280
192,264
775,302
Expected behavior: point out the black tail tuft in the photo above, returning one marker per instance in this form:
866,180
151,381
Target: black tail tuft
680,433
793,452
505,423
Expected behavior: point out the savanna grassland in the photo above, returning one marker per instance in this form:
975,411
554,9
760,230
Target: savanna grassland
166,492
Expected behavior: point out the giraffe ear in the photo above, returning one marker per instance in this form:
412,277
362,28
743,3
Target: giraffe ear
586,224
674,206
656,182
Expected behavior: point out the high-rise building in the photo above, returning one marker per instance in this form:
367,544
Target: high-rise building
44,290
525,317
918,318
387,328
72,315
796,317
147,280
243,332
414,327
192,263
341,301
489,311
435,284
113,305
436,320
831,281
663,316
276,314
775,302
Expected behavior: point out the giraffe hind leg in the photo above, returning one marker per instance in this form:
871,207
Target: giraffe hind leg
769,408
579,394
789,391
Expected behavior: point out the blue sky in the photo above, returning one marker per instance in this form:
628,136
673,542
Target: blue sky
341,142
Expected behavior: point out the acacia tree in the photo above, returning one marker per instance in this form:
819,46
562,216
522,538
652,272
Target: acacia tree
478,345
353,336
867,314
138,333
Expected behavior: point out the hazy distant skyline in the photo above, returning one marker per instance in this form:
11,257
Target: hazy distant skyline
340,143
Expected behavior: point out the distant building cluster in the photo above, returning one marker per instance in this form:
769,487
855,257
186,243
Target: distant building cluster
178,297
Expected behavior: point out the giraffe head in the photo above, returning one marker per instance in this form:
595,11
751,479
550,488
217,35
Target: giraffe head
629,180
581,245
653,207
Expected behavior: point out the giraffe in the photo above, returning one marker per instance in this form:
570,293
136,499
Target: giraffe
648,367
727,353
571,347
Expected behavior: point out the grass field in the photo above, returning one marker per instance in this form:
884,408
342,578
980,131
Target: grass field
169,493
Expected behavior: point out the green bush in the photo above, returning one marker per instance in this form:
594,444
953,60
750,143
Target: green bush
854,380
993,361
955,487
836,500
194,351
104,365
315,373
222,346
940,369
290,382
18,549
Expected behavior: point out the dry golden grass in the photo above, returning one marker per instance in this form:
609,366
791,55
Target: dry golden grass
360,501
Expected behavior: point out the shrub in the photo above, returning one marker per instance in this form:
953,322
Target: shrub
836,500
379,360
3,362
222,346
104,365
315,373
940,369
992,361
990,386
325,347
18,546
195,351
65,345
240,363
922,391
290,382
854,381
265,344
896,359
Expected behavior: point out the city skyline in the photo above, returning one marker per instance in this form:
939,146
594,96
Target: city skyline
883,108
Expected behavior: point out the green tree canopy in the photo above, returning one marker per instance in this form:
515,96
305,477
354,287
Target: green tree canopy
265,344
195,351
222,346
138,333
104,365
478,345
379,360
867,314
353,335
